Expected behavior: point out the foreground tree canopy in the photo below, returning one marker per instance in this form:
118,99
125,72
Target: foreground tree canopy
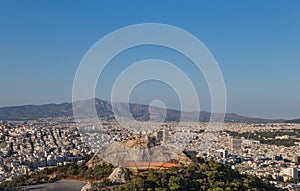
209,176
200,175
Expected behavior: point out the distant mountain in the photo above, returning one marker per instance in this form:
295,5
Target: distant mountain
104,110
292,121
35,111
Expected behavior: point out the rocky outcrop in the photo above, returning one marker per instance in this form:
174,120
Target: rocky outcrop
89,187
118,176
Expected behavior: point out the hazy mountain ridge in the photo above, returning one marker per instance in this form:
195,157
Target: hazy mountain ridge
104,110
293,121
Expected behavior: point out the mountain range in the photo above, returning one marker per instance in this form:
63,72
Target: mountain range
104,110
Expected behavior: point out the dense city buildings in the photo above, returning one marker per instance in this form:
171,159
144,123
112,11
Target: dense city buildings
27,146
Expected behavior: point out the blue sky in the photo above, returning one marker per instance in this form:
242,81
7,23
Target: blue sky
256,44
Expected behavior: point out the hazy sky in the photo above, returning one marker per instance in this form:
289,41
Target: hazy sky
256,44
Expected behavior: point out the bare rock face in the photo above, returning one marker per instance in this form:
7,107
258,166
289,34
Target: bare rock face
118,176
140,148
89,187
117,154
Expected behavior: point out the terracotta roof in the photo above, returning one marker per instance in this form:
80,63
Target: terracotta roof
148,164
